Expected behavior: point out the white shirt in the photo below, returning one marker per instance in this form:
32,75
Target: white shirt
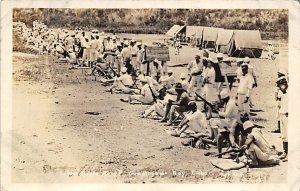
126,79
260,140
284,103
210,75
245,85
146,92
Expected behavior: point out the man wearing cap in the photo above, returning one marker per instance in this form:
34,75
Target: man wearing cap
227,124
184,81
93,51
283,115
177,46
140,58
69,42
239,72
209,86
123,82
126,57
146,95
270,50
281,73
251,71
259,150
156,68
219,77
244,90
195,69
133,48
180,105
195,120
169,80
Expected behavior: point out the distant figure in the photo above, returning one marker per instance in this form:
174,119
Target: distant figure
177,46
270,50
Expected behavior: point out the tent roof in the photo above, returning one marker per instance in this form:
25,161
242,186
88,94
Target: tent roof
180,29
173,30
210,33
193,30
247,39
224,37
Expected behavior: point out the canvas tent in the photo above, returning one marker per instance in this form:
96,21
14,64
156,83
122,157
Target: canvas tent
209,37
223,40
174,29
245,43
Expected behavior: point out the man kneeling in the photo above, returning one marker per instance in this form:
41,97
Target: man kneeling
258,148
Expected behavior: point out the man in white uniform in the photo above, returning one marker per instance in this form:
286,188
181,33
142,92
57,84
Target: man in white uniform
259,150
283,115
244,90
195,68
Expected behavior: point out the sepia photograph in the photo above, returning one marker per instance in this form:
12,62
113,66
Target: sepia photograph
149,95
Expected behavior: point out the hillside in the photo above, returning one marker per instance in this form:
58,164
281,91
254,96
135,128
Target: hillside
273,23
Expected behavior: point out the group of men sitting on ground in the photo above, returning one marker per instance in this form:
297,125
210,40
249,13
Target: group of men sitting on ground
226,114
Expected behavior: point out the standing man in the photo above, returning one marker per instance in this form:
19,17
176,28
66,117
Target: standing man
244,90
133,48
93,51
283,115
140,58
195,69
278,95
126,57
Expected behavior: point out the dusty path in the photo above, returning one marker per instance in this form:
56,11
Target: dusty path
55,141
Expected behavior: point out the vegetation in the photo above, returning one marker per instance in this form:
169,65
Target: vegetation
273,23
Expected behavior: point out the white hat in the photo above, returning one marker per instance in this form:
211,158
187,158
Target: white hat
114,38
155,60
246,59
170,72
133,39
247,125
123,69
270,43
70,50
126,42
119,44
224,94
220,55
183,76
138,43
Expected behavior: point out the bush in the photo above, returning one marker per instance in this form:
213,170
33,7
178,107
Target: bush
19,46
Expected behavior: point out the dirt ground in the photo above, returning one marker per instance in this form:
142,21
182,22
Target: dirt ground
54,141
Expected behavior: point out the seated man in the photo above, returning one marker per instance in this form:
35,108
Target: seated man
168,80
228,124
258,148
160,104
99,67
71,58
180,105
123,82
146,96
195,120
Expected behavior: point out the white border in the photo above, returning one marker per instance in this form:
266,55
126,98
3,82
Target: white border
6,89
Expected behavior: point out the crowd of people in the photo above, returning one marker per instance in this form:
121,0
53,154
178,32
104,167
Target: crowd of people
124,68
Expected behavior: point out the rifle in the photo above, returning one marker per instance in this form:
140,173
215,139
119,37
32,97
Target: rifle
152,93
226,152
114,72
209,104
